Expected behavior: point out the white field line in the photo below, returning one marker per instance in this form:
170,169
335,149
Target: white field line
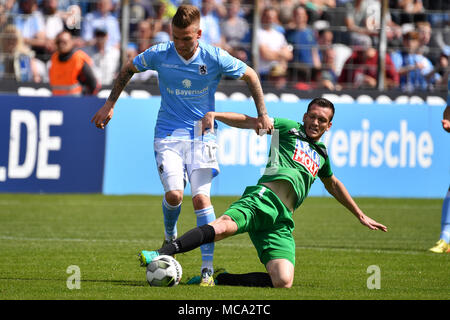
74,203
222,243
132,204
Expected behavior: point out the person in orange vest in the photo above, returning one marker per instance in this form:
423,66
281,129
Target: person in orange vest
70,71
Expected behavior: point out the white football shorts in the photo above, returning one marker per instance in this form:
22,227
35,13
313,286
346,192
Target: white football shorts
177,159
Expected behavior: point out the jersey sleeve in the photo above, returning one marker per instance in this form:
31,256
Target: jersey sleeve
325,171
231,66
284,125
146,60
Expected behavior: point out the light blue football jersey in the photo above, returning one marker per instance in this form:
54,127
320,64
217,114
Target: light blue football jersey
187,86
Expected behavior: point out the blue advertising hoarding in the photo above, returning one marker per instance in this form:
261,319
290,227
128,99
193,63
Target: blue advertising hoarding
49,145
377,150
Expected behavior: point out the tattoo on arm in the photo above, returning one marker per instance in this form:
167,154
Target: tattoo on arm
120,83
258,96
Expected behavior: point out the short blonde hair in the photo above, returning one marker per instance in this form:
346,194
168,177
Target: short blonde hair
185,16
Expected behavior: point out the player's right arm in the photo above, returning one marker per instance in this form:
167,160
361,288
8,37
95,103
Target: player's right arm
232,119
105,113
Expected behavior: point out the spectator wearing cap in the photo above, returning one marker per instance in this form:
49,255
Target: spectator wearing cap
102,18
105,61
70,69
413,67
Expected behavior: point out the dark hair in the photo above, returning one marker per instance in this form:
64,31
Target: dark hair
322,102
185,16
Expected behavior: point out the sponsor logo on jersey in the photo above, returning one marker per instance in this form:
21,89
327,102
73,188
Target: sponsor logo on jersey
187,83
171,66
307,157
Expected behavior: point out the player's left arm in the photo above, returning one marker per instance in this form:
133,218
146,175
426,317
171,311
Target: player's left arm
337,189
263,123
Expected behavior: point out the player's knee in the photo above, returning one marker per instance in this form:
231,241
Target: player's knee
282,281
174,197
224,227
201,201
281,273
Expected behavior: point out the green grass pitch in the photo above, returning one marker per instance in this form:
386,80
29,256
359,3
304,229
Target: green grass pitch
42,235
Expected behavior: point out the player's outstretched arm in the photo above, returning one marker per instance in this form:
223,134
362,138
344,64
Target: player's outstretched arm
337,189
105,113
232,119
263,122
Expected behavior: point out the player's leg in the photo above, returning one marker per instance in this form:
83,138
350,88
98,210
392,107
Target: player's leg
271,233
171,207
281,273
443,245
200,180
445,219
255,213
219,229
202,165
168,155
280,269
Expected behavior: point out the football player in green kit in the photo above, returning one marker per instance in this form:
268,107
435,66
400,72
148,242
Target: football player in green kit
296,159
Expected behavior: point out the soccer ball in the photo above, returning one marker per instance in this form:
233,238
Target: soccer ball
164,271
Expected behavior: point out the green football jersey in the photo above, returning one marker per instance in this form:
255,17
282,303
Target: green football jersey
295,159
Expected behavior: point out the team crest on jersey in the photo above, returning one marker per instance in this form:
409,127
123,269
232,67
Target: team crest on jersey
186,83
307,157
202,69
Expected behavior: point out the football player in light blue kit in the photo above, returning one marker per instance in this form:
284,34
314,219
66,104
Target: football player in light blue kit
443,245
188,73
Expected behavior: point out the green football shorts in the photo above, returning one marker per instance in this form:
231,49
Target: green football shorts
268,222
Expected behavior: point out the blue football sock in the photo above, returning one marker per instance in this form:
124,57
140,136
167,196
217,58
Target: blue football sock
171,214
205,216
445,219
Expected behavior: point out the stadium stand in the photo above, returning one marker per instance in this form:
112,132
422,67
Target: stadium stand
335,28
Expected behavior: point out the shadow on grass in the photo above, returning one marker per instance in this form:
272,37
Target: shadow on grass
130,283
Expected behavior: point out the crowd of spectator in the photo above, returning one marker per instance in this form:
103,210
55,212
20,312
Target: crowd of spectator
303,44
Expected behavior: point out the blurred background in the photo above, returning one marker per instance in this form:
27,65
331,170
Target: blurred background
384,63
296,46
